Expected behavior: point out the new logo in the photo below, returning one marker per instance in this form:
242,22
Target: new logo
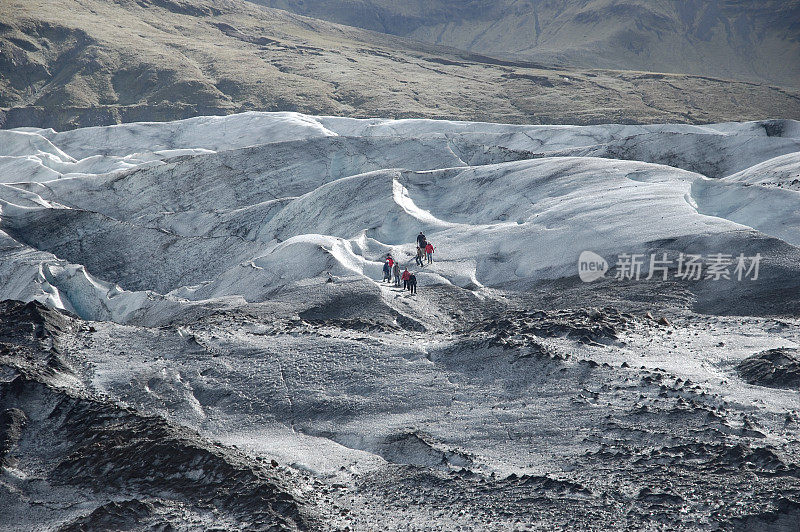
591,266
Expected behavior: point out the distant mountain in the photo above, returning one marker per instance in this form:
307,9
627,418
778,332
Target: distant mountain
738,39
72,63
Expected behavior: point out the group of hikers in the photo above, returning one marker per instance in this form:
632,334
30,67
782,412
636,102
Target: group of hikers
391,268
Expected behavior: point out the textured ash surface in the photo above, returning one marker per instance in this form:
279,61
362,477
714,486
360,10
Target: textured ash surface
538,430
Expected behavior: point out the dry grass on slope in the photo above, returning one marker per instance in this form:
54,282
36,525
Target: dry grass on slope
72,63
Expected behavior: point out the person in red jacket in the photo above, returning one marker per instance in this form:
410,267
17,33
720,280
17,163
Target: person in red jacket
429,252
405,277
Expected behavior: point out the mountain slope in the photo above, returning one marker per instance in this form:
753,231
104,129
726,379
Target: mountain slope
757,41
67,64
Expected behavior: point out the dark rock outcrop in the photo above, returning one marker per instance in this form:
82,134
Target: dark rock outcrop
778,368
166,471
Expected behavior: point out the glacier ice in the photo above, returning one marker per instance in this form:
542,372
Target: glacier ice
111,222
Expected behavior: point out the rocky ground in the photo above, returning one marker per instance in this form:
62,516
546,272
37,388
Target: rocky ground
584,419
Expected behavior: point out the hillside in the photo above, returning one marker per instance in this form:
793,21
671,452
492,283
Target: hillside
71,63
737,39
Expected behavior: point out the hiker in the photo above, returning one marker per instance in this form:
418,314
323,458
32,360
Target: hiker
412,283
387,271
419,257
421,240
429,252
405,277
396,274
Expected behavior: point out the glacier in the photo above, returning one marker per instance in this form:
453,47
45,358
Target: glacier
109,221
213,285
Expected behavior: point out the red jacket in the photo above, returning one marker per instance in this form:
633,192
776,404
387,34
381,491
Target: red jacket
406,275
429,248
391,262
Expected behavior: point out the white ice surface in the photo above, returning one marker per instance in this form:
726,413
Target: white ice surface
249,205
